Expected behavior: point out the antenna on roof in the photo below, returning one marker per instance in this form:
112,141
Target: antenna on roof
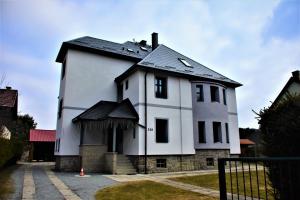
133,40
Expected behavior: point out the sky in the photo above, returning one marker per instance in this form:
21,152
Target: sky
254,42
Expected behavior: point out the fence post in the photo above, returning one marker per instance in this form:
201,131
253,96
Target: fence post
222,179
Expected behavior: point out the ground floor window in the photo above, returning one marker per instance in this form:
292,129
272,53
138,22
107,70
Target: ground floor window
217,132
161,130
161,163
210,162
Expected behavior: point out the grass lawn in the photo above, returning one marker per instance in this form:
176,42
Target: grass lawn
6,183
147,190
212,181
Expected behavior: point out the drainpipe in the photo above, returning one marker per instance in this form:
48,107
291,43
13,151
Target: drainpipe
145,90
180,123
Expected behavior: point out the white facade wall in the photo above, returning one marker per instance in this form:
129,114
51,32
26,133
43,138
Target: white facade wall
88,79
210,112
234,136
177,108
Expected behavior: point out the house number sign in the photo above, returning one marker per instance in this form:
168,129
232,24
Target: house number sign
150,129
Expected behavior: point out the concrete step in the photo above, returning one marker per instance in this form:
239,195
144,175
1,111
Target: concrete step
124,165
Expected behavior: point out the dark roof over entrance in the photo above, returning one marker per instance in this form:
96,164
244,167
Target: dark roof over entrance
38,135
109,110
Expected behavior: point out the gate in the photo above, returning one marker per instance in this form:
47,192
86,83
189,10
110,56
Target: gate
259,178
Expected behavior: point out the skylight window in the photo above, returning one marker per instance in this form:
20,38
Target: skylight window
144,48
130,50
186,63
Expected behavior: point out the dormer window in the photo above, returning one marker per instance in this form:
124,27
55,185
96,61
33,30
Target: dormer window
186,63
130,50
144,48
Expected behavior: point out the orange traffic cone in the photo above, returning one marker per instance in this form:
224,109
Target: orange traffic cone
81,172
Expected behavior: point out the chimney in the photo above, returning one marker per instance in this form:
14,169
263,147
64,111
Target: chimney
143,43
8,87
154,40
296,74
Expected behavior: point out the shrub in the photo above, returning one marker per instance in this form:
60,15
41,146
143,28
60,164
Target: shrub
10,151
280,129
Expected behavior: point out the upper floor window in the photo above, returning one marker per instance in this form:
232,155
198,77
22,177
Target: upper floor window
217,131
63,70
199,93
126,85
201,132
161,87
214,92
60,108
224,97
227,132
161,130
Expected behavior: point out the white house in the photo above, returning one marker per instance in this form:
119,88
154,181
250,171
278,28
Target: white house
132,107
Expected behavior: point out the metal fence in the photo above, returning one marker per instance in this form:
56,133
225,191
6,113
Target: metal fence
259,178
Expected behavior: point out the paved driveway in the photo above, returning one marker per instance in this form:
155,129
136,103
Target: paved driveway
85,187
44,184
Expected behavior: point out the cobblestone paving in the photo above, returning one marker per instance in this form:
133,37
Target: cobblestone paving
85,187
44,188
40,183
17,177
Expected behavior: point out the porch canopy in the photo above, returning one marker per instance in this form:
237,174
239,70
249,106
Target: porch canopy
106,114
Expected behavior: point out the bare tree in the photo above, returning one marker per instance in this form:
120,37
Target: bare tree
3,77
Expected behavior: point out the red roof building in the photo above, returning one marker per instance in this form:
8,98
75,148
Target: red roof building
246,142
42,144
38,135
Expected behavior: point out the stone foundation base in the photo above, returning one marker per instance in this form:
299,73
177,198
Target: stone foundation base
93,157
67,163
203,159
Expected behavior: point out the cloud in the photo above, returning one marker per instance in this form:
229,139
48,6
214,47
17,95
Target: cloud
227,36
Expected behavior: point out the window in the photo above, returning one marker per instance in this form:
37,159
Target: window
214,92
227,132
133,132
217,132
161,163
60,108
63,70
210,162
120,92
186,63
126,85
199,92
161,130
201,132
161,87
58,146
224,97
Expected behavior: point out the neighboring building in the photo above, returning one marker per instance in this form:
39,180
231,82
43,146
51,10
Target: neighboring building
42,145
292,87
251,142
5,133
115,98
8,110
247,148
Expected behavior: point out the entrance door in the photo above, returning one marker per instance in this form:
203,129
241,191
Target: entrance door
119,140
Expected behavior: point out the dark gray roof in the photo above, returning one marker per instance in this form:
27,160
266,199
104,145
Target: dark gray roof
109,109
162,58
103,46
165,58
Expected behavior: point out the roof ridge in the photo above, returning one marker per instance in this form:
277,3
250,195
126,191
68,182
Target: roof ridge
94,39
